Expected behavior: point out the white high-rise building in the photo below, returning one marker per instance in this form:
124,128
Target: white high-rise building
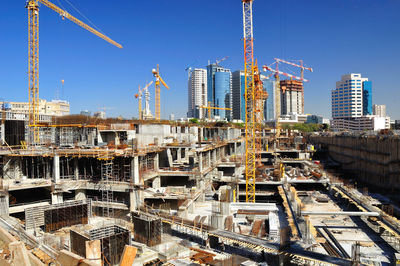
197,92
379,110
347,98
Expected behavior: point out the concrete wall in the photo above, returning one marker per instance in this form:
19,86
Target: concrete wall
375,160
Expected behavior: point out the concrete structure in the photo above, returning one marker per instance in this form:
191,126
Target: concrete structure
269,105
197,93
379,110
347,97
292,97
367,122
100,114
293,118
53,108
238,91
219,90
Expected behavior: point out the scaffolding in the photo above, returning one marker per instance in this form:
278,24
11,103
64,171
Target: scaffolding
107,179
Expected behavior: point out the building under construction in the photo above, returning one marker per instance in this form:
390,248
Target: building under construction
292,97
144,192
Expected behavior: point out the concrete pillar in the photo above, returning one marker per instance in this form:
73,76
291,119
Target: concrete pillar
3,133
133,200
56,198
179,155
80,194
135,170
169,156
76,168
56,168
186,154
208,158
156,162
157,182
200,159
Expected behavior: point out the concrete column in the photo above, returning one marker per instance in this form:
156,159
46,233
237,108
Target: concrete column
179,155
80,194
48,167
76,168
135,170
156,162
157,182
56,168
186,154
3,133
208,158
132,200
56,198
200,157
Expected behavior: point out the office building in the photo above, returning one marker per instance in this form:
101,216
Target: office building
352,106
219,90
361,123
379,110
53,108
292,97
197,93
269,104
347,97
238,100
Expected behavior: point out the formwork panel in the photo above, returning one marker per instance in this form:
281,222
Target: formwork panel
113,240
78,241
63,215
147,230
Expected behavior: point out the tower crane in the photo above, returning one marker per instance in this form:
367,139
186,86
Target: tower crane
252,96
276,73
159,81
302,68
33,69
221,60
139,97
209,107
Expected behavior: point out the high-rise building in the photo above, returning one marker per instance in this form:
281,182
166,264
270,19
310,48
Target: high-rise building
219,89
269,104
197,93
367,97
291,97
238,100
379,110
54,107
347,97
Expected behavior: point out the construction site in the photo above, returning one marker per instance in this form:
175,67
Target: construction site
81,190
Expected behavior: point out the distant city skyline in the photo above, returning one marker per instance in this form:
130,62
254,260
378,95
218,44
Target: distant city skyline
98,75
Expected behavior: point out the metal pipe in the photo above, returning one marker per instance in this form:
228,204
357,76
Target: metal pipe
342,213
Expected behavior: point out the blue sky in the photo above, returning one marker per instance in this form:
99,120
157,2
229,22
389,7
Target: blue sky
334,37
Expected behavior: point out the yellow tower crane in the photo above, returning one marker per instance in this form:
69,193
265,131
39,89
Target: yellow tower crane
209,107
33,69
159,81
139,97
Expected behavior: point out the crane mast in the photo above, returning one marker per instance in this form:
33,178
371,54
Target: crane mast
250,128
33,67
157,84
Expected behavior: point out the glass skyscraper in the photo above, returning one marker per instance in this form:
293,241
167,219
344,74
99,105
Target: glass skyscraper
238,101
367,98
269,104
219,89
